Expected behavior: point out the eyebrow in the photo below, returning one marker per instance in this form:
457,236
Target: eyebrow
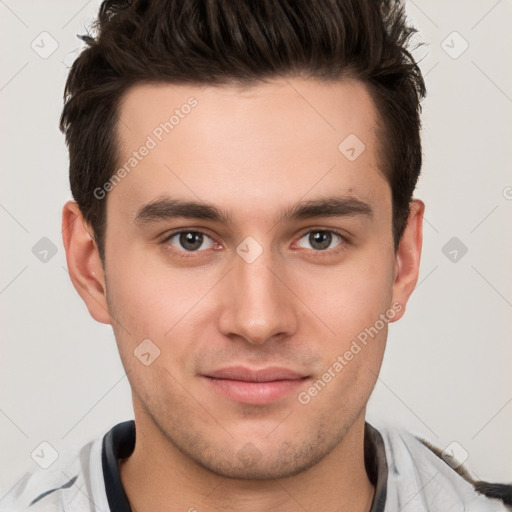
168,208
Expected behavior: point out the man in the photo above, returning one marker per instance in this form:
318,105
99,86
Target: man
243,177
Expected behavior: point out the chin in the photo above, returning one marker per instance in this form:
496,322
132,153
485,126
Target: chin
269,463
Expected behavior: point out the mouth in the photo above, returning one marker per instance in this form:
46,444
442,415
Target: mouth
255,386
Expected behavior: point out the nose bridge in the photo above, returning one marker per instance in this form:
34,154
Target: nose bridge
259,306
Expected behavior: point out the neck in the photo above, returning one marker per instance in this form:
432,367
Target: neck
157,477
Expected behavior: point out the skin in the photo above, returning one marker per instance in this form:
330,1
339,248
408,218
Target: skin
251,152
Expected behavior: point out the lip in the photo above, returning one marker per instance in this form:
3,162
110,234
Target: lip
255,386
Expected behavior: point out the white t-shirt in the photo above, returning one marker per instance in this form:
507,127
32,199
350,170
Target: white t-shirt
408,476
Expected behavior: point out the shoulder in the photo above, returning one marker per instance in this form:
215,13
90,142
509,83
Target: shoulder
73,483
423,478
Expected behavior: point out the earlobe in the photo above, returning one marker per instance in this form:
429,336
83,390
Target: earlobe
84,263
408,255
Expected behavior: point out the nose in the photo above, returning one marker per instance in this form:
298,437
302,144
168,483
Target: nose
257,303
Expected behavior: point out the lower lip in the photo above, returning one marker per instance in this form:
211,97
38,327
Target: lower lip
255,392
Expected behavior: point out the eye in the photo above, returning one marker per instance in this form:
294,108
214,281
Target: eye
189,241
321,240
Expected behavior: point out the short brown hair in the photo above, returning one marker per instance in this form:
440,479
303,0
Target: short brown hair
244,42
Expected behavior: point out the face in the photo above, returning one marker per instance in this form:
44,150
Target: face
266,302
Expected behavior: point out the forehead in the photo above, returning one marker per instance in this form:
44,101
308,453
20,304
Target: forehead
307,108
276,141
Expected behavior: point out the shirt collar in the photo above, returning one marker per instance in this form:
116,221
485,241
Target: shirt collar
119,443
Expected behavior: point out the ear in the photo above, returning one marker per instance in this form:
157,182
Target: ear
407,259
84,263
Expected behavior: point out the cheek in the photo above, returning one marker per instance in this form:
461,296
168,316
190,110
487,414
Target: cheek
148,294
349,297
350,300
159,303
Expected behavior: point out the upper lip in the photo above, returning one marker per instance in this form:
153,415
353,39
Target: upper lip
256,375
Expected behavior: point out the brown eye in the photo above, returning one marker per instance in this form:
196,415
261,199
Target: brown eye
321,240
189,241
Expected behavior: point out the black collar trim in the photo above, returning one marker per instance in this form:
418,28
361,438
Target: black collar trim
119,443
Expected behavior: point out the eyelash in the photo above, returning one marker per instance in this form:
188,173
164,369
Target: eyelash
192,254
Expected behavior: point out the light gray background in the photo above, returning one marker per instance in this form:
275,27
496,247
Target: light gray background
446,372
